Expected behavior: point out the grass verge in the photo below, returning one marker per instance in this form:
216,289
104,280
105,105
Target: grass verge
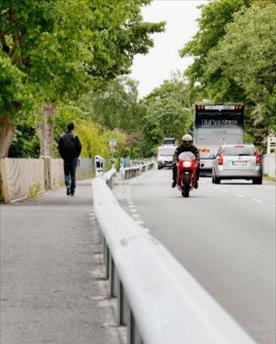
34,190
272,179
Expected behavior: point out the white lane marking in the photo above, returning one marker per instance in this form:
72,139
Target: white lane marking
135,215
141,223
133,210
239,195
257,200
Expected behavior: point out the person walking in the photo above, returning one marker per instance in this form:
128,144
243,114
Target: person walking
69,147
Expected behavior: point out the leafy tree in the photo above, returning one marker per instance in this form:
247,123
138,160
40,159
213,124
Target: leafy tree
212,27
93,142
58,49
151,136
119,33
263,3
169,111
25,143
122,147
118,105
247,55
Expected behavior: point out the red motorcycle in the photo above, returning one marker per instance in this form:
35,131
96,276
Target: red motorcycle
186,172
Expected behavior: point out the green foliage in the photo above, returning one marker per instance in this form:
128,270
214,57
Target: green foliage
66,113
263,3
34,190
118,109
93,141
212,23
117,164
117,106
234,60
118,35
25,142
11,86
121,148
152,136
169,113
57,50
247,55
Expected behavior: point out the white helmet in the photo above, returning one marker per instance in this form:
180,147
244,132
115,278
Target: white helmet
187,138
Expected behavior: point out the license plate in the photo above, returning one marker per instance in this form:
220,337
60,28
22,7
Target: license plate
239,163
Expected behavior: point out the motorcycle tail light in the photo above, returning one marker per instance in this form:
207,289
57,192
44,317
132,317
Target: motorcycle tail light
187,164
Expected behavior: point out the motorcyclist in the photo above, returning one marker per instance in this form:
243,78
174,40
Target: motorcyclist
185,146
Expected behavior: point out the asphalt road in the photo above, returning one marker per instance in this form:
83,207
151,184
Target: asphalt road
224,235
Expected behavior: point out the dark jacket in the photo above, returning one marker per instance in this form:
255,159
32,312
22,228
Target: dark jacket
69,146
185,148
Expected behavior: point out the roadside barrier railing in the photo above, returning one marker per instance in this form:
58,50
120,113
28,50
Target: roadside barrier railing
136,169
130,172
157,299
108,177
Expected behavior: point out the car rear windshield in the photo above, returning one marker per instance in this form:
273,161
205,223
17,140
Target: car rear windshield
238,151
168,151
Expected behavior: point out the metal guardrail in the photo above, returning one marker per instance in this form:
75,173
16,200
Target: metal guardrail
138,168
130,172
158,301
109,177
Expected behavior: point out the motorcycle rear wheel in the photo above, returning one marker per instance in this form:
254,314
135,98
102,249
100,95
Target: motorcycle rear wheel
186,186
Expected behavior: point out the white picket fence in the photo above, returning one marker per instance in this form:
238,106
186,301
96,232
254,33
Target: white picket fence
269,164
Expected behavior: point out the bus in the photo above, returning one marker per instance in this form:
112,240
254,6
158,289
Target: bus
214,125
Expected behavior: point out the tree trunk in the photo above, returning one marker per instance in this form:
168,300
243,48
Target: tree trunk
7,130
46,130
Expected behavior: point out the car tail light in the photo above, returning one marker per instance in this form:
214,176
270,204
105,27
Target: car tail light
258,159
220,160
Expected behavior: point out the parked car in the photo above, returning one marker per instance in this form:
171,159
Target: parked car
241,161
165,156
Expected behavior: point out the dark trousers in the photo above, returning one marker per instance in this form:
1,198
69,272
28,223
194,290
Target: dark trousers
174,171
70,167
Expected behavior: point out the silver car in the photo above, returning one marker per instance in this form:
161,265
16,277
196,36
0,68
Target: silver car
165,156
239,161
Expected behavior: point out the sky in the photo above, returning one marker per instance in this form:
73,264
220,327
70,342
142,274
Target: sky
152,69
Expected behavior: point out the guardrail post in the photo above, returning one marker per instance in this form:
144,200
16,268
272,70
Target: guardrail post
111,276
121,306
131,329
106,260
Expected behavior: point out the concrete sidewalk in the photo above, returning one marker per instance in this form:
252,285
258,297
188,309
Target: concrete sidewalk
52,286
